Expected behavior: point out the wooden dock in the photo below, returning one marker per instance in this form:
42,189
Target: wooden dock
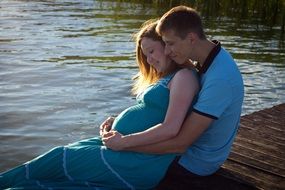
258,154
257,158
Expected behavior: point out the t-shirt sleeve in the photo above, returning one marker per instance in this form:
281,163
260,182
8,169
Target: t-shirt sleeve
213,99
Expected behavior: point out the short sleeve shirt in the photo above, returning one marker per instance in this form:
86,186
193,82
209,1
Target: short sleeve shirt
220,98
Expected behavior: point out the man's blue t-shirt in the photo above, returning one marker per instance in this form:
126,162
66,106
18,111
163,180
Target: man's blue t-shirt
220,97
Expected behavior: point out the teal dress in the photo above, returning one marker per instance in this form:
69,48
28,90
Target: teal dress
88,164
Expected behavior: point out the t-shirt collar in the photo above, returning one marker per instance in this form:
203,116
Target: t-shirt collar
210,58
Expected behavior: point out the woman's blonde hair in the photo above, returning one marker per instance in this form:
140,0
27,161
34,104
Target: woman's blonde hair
147,74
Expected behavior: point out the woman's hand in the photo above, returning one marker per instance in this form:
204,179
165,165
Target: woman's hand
114,140
106,125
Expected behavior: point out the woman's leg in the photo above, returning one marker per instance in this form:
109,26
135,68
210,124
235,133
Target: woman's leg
56,165
43,167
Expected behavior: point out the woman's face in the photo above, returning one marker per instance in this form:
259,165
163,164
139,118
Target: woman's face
154,52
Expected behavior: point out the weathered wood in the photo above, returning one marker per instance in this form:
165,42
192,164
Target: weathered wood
257,158
258,153
253,176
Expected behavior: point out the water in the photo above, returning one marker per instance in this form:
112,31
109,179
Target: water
65,65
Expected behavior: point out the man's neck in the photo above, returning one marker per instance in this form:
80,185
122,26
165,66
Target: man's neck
204,49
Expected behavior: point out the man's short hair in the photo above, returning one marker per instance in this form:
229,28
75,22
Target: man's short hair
181,20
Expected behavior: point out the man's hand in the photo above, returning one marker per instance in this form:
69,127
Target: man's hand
114,140
106,126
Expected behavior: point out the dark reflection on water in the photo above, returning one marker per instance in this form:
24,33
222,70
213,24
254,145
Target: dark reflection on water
67,65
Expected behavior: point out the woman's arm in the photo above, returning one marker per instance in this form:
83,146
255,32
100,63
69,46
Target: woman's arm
183,87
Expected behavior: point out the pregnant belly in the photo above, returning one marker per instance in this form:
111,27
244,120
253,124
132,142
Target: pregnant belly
138,118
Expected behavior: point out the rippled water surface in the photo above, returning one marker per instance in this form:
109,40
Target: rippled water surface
67,65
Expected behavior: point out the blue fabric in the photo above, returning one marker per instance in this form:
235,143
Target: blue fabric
221,98
88,164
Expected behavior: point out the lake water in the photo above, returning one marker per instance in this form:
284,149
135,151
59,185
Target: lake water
65,65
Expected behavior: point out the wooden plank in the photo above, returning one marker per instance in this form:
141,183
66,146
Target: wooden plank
258,153
270,149
257,178
261,136
259,161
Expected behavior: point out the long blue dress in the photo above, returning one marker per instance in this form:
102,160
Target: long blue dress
88,164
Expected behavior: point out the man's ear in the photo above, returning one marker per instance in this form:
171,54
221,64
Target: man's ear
192,37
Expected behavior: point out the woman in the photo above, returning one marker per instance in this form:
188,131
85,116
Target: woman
88,163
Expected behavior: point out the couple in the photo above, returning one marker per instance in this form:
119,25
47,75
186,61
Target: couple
182,126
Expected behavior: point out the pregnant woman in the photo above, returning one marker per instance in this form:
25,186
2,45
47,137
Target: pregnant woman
164,95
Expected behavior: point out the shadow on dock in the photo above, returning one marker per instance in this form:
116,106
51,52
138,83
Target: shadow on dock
257,158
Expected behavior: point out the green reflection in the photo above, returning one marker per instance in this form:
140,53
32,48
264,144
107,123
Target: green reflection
266,12
249,21
94,58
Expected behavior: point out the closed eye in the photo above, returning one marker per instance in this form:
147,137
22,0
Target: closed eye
169,43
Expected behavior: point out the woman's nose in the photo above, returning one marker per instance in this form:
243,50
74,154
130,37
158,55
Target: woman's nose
150,60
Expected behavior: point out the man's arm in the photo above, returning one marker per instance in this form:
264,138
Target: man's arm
193,126
180,99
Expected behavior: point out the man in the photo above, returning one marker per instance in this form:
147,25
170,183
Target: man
208,132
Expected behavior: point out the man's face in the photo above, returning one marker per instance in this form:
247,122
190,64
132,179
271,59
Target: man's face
176,48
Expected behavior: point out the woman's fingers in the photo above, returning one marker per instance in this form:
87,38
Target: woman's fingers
106,125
